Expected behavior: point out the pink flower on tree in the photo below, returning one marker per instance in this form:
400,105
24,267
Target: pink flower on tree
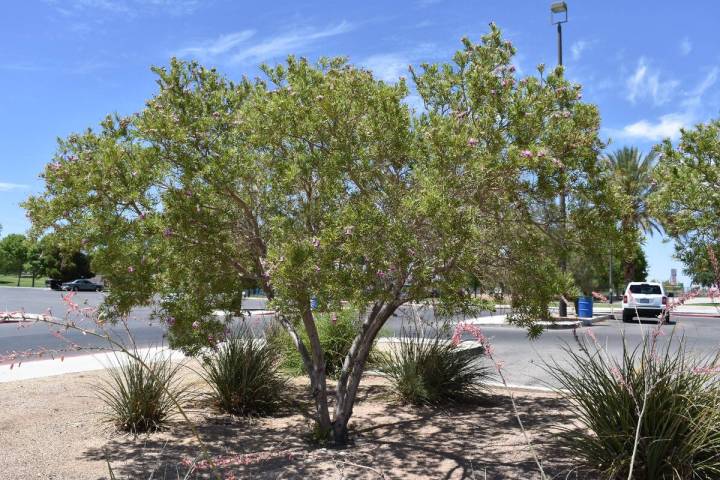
195,325
131,269
526,154
473,142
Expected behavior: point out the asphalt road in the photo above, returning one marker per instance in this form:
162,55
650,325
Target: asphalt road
523,359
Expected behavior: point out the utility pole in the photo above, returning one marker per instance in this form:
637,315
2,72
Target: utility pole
558,16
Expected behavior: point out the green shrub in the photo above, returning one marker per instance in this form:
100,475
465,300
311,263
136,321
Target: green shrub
430,370
141,392
336,332
678,395
243,375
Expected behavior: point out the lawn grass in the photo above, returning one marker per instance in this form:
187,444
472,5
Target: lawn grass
10,280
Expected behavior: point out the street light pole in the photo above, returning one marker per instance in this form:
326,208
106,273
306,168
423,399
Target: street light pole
610,283
558,16
559,29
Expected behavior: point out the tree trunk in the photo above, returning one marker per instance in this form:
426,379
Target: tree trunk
19,276
353,367
314,360
318,382
562,310
628,270
33,280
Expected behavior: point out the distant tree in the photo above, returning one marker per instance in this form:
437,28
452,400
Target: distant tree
632,175
686,199
591,268
34,262
60,262
14,251
693,253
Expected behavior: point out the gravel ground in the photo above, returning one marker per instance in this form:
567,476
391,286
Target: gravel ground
51,428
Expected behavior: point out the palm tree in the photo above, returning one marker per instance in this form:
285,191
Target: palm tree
632,172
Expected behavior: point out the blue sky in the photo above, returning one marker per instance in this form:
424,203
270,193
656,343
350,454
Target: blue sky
652,67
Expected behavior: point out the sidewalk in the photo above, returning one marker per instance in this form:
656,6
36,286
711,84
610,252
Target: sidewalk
77,363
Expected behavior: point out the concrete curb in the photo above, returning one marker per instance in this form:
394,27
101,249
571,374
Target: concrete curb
467,346
588,322
696,315
28,288
531,388
564,325
18,317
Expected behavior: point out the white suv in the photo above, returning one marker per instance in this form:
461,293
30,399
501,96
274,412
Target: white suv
644,299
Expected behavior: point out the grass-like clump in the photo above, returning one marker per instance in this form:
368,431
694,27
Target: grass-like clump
142,392
656,407
427,369
243,374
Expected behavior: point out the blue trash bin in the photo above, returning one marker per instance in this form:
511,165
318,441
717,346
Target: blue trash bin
585,307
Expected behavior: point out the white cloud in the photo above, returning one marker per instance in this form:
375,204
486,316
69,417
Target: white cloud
220,46
294,41
645,83
236,48
685,46
387,66
577,49
74,7
6,187
667,126
694,97
390,66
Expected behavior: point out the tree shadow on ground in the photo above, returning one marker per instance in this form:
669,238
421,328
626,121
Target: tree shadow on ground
479,441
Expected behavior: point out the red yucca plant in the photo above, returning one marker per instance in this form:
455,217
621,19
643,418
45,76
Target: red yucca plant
653,413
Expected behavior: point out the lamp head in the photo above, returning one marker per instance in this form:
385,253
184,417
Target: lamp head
558,12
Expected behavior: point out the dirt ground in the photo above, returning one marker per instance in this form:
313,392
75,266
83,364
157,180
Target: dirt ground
51,428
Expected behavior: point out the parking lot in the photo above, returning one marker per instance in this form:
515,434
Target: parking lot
523,359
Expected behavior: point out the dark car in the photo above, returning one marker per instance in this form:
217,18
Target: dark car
53,284
82,285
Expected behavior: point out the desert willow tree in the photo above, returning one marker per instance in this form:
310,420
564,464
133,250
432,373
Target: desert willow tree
315,182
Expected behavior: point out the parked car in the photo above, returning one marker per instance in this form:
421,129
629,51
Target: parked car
644,300
53,284
82,285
